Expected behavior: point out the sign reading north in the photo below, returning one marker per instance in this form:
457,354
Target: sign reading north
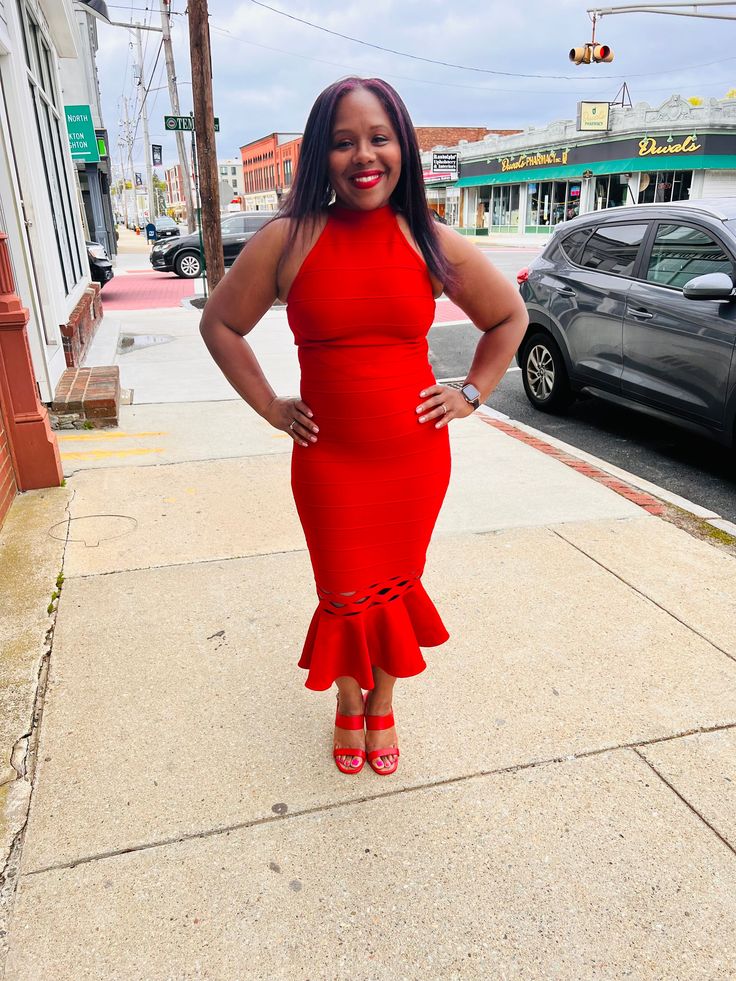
82,137
185,123
444,162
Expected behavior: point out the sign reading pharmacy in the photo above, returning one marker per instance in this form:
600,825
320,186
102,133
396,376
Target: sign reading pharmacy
593,116
185,123
642,153
82,137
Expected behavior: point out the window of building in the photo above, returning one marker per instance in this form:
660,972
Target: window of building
664,185
681,252
52,140
287,171
233,171
550,202
504,207
612,191
614,248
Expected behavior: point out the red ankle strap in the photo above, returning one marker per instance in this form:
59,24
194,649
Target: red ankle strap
348,721
374,722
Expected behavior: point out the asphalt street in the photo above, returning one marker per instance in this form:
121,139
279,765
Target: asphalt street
673,458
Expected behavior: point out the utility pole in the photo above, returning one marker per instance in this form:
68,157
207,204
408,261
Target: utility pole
123,188
129,141
146,140
186,176
204,123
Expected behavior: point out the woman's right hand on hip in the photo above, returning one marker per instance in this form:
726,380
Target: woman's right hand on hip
293,416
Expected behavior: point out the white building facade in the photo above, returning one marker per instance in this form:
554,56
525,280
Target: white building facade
524,185
39,204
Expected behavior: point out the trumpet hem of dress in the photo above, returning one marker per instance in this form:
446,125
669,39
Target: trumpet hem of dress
387,635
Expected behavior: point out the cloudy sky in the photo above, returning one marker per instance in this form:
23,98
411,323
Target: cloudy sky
268,68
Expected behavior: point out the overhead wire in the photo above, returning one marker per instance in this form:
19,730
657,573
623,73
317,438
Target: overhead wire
449,64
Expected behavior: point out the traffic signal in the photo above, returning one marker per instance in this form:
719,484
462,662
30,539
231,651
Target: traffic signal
601,52
581,56
591,52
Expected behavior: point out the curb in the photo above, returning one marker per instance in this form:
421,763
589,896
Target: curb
633,494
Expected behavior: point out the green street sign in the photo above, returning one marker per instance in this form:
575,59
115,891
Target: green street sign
185,123
81,130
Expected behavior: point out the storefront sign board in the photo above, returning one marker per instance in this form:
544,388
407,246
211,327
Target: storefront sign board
593,117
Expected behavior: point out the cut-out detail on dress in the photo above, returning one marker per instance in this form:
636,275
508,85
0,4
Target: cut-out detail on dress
366,597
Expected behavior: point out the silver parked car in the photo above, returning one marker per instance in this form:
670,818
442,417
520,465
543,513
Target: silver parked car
637,305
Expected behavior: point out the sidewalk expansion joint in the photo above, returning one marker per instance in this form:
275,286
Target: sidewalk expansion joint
640,592
369,798
276,454
179,565
687,803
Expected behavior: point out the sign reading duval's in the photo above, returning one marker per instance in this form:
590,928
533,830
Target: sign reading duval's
649,147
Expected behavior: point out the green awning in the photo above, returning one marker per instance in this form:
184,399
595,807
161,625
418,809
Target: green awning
675,161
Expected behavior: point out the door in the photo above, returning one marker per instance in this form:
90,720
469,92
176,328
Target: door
587,298
233,237
677,352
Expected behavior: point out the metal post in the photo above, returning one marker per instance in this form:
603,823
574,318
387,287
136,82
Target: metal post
199,208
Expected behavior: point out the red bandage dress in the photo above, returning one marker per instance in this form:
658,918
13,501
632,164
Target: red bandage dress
368,492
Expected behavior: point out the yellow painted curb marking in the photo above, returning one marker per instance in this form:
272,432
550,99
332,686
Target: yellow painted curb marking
106,454
100,434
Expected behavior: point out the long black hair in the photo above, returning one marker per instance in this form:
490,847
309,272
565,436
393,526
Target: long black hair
311,192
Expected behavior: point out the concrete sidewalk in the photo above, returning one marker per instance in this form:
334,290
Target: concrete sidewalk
565,805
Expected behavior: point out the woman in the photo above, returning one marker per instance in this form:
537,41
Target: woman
359,261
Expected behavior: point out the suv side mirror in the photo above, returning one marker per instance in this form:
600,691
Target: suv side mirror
712,286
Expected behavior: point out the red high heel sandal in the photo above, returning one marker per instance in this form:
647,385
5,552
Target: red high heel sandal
374,723
348,722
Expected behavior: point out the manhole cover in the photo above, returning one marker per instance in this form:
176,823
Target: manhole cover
134,342
94,528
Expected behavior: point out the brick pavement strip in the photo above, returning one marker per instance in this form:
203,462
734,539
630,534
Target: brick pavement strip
142,291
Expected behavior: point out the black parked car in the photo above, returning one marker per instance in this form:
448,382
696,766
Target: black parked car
183,255
100,264
166,228
637,305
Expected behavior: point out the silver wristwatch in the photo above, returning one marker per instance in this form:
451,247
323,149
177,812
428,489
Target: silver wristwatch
471,395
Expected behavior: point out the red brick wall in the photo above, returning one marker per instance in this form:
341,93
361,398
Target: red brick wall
432,136
8,487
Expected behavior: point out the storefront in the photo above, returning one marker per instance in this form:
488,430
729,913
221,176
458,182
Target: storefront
527,183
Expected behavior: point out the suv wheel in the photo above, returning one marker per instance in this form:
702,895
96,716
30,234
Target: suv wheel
188,265
544,374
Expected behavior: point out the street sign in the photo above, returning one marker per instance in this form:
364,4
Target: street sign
185,123
81,130
156,151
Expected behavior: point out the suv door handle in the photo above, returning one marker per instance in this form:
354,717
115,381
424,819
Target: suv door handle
565,291
641,314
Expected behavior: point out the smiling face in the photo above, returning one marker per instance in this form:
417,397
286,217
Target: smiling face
365,156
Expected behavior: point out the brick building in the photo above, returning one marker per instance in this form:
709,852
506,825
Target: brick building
175,191
269,165
432,136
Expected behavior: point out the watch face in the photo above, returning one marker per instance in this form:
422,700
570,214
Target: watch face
470,392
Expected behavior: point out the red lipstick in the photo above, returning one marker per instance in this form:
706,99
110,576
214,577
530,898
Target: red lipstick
366,179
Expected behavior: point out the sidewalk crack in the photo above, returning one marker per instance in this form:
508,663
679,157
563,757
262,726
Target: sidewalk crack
686,802
640,592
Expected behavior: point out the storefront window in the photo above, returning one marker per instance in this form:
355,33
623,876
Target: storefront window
504,207
664,185
550,202
612,191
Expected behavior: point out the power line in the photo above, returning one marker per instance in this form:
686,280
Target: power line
425,81
449,64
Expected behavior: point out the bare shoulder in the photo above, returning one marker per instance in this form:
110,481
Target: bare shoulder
272,237
457,248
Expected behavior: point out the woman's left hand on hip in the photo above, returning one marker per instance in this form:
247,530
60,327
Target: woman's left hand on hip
442,404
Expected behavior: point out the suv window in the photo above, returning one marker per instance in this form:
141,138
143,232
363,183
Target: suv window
572,244
234,225
614,248
681,252
254,222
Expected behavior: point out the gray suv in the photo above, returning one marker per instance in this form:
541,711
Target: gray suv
637,305
183,255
